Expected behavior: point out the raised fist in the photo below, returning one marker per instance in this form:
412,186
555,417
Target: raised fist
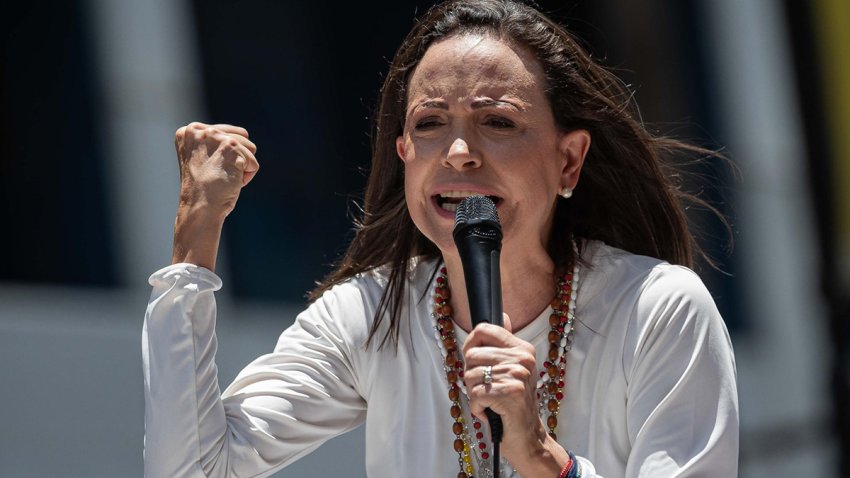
215,161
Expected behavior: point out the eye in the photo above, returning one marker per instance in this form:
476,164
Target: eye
499,122
428,123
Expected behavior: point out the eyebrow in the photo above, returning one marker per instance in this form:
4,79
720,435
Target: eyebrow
477,103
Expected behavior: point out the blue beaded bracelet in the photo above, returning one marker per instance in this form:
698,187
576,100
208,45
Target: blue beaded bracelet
575,471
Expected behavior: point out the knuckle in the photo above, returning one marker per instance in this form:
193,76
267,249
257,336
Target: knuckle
514,388
471,356
528,362
522,374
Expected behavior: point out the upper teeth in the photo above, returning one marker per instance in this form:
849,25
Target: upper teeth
459,194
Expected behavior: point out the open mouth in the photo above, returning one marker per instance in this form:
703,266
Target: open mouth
449,200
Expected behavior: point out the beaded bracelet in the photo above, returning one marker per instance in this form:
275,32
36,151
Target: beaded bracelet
575,469
565,471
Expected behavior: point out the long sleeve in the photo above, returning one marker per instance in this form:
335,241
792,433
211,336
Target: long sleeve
651,383
280,407
682,397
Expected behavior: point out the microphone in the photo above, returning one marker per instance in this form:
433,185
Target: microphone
478,237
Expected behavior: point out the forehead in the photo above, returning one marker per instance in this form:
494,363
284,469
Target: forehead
476,64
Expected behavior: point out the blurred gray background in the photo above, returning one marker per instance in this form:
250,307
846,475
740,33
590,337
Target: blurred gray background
91,92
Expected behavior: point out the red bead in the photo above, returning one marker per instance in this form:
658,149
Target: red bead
546,364
477,425
482,445
559,396
561,384
479,435
485,455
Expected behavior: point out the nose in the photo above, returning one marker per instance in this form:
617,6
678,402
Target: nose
459,156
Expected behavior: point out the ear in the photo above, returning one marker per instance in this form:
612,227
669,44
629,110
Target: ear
573,148
399,147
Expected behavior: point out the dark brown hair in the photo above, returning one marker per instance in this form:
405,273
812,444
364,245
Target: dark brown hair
629,195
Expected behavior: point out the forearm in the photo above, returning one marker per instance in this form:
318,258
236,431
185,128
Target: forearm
180,375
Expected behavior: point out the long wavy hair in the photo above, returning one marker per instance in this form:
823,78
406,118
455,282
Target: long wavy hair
629,196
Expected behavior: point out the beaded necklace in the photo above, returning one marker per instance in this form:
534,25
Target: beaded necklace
550,385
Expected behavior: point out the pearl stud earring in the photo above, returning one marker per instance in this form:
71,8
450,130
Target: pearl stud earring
566,192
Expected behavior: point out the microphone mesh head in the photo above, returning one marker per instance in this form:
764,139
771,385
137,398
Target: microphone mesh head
475,210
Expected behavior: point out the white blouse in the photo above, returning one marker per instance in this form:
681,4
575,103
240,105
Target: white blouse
650,381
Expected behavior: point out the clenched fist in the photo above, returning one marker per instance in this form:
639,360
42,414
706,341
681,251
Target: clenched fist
215,161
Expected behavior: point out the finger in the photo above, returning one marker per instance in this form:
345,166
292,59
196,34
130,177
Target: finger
506,321
489,334
251,168
223,132
487,355
243,159
229,128
246,142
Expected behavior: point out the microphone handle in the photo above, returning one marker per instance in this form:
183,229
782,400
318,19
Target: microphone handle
478,268
496,317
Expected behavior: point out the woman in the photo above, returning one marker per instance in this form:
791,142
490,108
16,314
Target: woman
613,360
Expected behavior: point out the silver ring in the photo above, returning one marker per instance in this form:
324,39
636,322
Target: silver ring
488,374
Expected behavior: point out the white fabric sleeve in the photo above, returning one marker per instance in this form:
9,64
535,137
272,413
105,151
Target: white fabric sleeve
682,395
280,407
682,402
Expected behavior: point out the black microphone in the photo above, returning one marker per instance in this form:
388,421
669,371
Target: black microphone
478,237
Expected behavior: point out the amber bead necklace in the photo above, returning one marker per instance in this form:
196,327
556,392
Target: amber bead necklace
550,386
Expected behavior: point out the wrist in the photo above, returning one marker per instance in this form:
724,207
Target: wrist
197,233
547,458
